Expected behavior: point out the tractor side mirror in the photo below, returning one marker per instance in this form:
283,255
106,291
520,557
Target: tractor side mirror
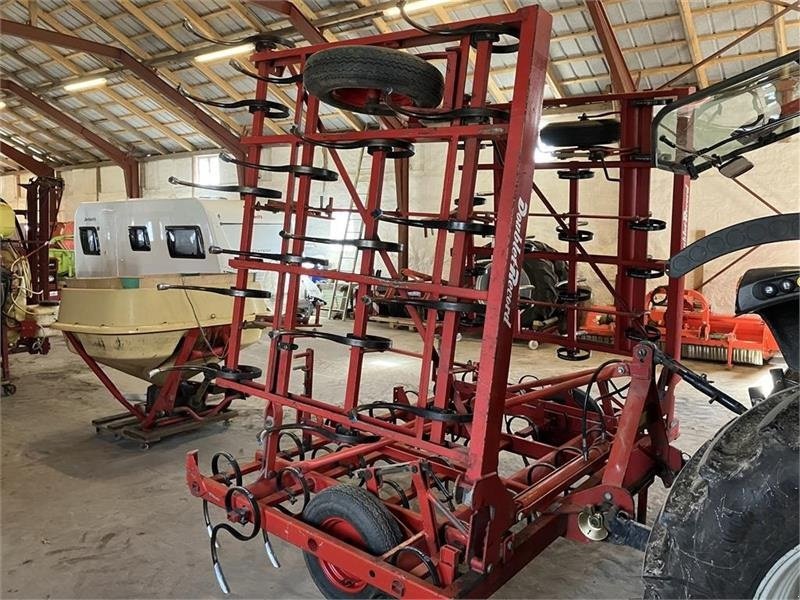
735,167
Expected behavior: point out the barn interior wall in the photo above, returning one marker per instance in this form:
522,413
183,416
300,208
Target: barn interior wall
716,202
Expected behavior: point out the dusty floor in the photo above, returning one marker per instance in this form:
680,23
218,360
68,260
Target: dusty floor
84,516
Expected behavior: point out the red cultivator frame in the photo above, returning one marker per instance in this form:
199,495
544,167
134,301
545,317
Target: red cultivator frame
436,515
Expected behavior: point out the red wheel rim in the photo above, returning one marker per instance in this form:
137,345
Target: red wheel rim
358,97
341,578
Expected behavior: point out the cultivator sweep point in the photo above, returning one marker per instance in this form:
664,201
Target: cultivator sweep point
406,495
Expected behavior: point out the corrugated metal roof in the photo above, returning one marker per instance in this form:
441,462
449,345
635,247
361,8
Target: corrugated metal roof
649,32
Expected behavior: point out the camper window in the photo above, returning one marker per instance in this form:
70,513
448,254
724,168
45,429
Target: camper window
90,240
185,242
139,238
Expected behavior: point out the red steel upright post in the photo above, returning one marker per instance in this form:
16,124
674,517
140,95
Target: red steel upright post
512,215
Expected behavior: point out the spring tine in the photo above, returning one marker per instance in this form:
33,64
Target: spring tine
270,552
207,519
221,581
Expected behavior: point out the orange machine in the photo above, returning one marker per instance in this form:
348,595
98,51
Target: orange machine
706,335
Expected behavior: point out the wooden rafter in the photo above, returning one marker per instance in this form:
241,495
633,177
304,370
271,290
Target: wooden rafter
781,47
64,62
691,39
109,91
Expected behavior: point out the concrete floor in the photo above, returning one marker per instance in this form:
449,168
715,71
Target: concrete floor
87,517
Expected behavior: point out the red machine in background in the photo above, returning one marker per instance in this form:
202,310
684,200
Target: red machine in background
29,298
705,335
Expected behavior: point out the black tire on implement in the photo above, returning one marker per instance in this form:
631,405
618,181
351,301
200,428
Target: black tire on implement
353,77
732,512
378,529
581,134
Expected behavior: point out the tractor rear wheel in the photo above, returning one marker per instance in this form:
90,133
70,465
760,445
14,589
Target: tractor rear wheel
729,527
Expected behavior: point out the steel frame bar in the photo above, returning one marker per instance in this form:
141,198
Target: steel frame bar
475,545
26,161
621,80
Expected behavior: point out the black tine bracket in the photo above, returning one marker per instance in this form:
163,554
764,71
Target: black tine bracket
580,235
648,225
210,371
271,110
235,189
315,173
451,225
340,435
467,114
287,259
572,354
361,244
367,342
393,148
430,414
580,295
652,273
262,41
231,291
237,66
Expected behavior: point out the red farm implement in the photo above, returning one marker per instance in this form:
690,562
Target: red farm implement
584,446
705,335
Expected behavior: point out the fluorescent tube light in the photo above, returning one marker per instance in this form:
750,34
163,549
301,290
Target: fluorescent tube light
412,7
86,84
225,53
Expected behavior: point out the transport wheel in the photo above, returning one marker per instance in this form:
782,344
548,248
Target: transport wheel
729,527
583,133
533,344
353,515
355,77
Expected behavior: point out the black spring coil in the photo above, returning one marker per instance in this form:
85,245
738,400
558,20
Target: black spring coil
298,476
242,537
423,558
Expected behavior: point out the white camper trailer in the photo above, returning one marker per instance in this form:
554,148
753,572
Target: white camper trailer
154,237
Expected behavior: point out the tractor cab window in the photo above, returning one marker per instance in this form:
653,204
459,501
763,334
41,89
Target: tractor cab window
139,238
717,125
90,240
185,242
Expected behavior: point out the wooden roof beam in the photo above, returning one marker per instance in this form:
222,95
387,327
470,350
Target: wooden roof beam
781,47
130,167
51,137
691,39
621,80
